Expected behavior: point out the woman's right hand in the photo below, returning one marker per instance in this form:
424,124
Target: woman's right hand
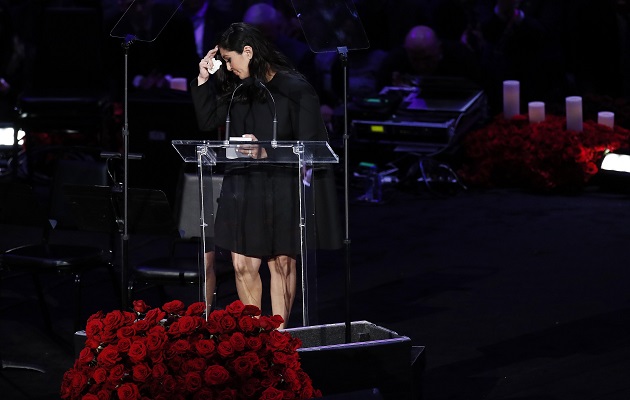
205,64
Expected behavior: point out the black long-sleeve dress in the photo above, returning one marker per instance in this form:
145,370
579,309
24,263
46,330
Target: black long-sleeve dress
258,209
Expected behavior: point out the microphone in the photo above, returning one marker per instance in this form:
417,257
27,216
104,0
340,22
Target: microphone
244,82
274,142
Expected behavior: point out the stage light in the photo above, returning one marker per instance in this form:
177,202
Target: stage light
6,135
617,161
614,172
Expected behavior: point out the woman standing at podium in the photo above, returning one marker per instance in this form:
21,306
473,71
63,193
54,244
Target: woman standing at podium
258,210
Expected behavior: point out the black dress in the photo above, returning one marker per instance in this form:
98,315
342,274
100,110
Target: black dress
258,209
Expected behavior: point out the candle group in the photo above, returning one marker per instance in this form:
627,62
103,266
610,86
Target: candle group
536,109
574,113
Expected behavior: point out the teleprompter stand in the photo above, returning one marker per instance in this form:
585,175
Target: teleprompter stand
130,31
334,26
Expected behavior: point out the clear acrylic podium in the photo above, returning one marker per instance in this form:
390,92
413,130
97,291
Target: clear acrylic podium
304,155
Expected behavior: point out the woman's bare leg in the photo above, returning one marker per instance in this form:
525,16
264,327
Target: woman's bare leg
282,286
211,280
248,282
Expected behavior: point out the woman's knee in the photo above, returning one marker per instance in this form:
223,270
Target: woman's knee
245,265
282,264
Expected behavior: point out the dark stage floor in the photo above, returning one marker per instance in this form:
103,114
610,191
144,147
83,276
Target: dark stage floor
514,295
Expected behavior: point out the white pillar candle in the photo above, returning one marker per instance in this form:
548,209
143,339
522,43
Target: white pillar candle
606,118
511,98
574,113
536,111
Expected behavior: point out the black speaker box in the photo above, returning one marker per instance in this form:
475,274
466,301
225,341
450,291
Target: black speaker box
374,358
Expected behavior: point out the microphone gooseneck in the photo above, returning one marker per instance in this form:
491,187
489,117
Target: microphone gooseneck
226,140
274,141
245,82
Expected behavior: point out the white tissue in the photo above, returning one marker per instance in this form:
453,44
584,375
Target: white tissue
216,64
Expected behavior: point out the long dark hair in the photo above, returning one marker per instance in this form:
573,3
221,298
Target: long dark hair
266,58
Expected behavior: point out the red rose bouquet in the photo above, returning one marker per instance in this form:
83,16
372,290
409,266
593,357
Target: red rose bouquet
541,156
173,352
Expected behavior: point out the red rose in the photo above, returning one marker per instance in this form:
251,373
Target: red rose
186,325
227,323
169,384
140,306
243,366
137,351
196,309
125,332
175,363
116,373
307,392
250,387
181,346
100,375
292,378
89,396
93,327
97,315
192,382
86,356
294,343
141,326
92,344
246,324
213,326
205,348
278,340
156,357
270,323
227,394
173,307
128,391
108,356
154,315
225,349
196,364
263,365
254,342
141,372
252,310
216,375
203,394
104,394
107,336
77,381
271,393
236,308
173,329
155,341
114,320
123,345
159,370
237,340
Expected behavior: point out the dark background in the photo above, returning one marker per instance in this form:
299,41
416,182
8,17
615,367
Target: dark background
514,294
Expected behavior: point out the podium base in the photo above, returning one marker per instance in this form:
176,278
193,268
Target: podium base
376,358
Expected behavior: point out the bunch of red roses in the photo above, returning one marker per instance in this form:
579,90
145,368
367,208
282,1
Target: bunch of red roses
173,352
542,156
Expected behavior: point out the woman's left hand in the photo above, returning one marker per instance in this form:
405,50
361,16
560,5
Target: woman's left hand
252,150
